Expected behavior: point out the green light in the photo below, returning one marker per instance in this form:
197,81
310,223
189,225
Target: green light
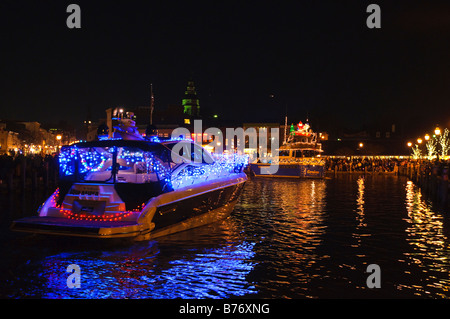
216,116
292,130
190,101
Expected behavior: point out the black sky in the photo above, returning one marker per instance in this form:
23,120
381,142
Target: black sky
316,58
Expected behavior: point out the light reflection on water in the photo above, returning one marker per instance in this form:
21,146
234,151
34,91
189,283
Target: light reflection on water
205,274
286,239
202,267
428,238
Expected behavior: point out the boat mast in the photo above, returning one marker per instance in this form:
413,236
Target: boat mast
152,103
285,127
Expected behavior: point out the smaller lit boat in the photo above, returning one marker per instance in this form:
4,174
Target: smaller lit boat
298,157
135,188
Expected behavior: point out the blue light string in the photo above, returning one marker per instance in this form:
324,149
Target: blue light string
93,161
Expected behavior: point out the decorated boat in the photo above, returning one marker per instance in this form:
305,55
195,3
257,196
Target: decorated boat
298,157
129,186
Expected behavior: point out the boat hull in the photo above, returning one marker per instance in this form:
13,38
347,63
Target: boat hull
163,215
65,227
288,170
196,221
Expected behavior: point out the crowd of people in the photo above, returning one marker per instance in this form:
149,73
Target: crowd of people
365,164
27,167
383,165
46,167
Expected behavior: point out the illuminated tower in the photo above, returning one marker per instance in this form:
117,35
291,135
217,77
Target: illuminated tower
190,101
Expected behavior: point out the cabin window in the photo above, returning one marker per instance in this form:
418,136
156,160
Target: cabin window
284,153
80,163
298,154
308,153
112,165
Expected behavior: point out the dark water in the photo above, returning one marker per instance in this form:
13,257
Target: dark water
285,239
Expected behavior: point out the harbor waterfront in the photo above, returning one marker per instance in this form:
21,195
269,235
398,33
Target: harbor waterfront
219,158
285,239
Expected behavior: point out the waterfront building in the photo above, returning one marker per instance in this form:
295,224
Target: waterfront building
19,137
9,141
263,129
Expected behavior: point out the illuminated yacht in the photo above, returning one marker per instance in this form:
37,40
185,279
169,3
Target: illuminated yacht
136,188
298,157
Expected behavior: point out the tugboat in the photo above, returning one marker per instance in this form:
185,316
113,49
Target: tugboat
298,157
141,188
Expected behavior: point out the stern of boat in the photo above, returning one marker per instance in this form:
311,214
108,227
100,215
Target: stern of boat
86,211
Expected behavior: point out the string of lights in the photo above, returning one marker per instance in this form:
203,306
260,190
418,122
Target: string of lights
222,166
90,217
131,160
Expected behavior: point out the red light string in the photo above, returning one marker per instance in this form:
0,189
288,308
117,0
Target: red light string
106,217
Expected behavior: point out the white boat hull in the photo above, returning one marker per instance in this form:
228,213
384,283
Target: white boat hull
168,213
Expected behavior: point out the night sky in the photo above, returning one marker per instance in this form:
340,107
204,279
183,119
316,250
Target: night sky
250,60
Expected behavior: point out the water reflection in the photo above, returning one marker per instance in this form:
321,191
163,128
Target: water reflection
213,273
285,239
286,218
359,232
426,235
208,273
360,201
208,262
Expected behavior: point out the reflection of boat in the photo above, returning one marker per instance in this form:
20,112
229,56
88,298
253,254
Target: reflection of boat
298,157
137,188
